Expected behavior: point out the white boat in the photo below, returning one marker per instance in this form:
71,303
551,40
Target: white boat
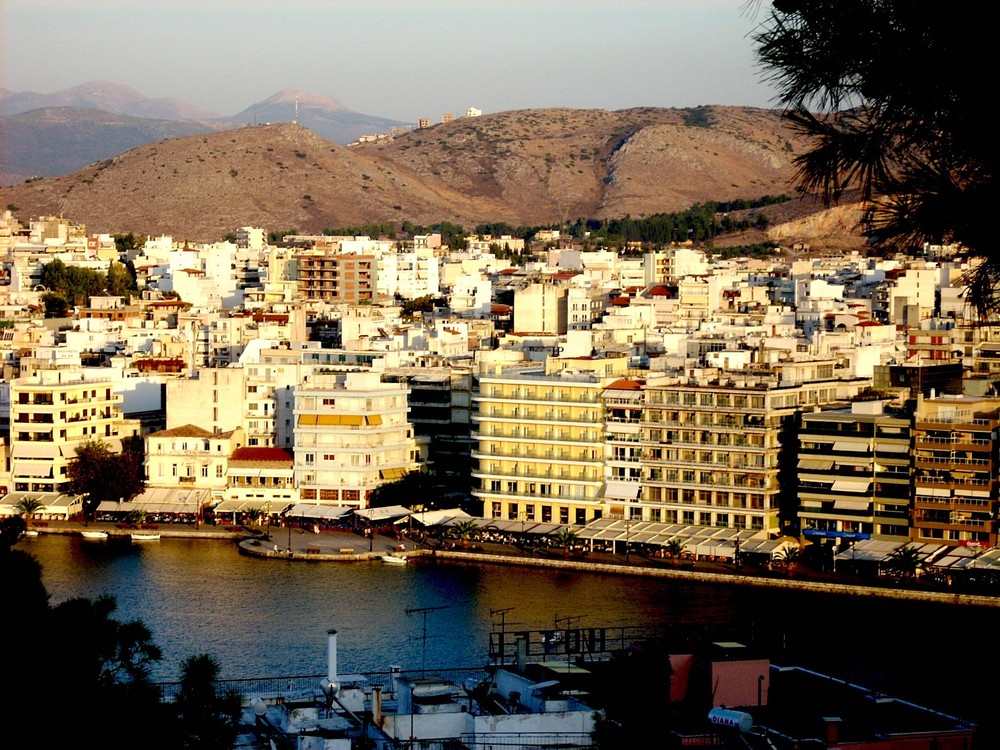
145,536
393,559
31,532
94,535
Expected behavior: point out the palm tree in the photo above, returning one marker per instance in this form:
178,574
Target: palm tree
789,557
674,549
27,506
463,530
564,538
903,562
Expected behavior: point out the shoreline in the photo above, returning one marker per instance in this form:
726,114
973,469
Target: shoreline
344,546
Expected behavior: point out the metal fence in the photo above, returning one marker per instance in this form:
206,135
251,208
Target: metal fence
278,688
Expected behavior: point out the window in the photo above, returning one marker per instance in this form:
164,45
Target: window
204,471
218,471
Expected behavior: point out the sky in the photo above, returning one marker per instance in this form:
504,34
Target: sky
399,59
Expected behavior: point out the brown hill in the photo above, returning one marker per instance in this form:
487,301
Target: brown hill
526,168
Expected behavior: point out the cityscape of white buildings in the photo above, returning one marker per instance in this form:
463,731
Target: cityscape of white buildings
839,397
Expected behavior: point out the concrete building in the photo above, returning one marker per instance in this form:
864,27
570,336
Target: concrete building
191,457
52,412
539,450
351,435
854,473
956,470
335,277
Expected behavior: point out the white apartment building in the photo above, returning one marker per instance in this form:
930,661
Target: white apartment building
192,457
351,435
52,413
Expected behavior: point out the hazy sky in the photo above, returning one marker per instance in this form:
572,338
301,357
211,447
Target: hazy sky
401,59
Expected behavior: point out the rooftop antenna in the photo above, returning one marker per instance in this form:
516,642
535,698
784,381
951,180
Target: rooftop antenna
503,628
423,611
296,111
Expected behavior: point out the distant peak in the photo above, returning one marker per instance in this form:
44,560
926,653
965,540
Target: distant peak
304,99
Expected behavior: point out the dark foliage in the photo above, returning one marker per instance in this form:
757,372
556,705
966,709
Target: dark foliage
890,95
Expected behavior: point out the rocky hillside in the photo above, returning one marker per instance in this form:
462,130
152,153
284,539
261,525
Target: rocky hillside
526,167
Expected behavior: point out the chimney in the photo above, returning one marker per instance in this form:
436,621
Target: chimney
832,724
331,655
377,705
522,653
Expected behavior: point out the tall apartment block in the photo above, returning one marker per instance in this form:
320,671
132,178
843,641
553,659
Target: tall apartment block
51,413
336,277
351,435
854,473
956,471
540,445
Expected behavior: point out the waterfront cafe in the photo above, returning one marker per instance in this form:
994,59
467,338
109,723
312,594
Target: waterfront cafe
158,505
698,542
53,506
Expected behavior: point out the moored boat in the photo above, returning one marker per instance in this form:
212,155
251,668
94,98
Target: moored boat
393,559
94,535
145,536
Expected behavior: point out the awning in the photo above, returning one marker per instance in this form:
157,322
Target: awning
892,447
306,420
855,505
27,450
851,485
383,514
815,464
622,490
304,510
851,447
338,420
392,474
32,469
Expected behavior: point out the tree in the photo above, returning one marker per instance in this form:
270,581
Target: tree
903,562
463,530
28,506
674,549
565,538
100,474
888,92
207,720
119,281
411,488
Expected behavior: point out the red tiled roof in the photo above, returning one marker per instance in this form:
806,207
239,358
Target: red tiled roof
868,324
659,291
627,385
621,301
261,454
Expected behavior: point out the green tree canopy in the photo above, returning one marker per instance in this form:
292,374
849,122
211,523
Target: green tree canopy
101,474
890,95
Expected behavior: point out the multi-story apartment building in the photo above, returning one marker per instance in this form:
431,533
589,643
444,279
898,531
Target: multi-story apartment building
540,449
623,460
351,435
854,473
540,307
51,413
440,400
956,471
334,277
719,452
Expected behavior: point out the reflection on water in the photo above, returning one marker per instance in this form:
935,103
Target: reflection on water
264,618
269,617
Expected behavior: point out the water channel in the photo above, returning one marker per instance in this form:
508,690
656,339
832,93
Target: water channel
267,618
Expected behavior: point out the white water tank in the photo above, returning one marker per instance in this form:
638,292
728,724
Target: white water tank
725,717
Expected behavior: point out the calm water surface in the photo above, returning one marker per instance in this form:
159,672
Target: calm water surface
263,618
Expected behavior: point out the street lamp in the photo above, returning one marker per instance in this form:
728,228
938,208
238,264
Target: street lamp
628,536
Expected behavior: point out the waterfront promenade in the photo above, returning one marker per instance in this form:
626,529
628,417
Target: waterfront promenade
345,546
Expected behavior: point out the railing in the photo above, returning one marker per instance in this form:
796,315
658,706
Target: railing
252,688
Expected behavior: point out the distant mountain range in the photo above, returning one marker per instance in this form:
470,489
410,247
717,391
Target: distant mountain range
524,167
46,135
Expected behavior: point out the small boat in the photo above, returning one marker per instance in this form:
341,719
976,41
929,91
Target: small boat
31,532
393,559
145,536
94,535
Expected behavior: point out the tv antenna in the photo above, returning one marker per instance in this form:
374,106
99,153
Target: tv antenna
423,638
296,111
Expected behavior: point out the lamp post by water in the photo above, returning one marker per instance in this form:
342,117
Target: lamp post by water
628,537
